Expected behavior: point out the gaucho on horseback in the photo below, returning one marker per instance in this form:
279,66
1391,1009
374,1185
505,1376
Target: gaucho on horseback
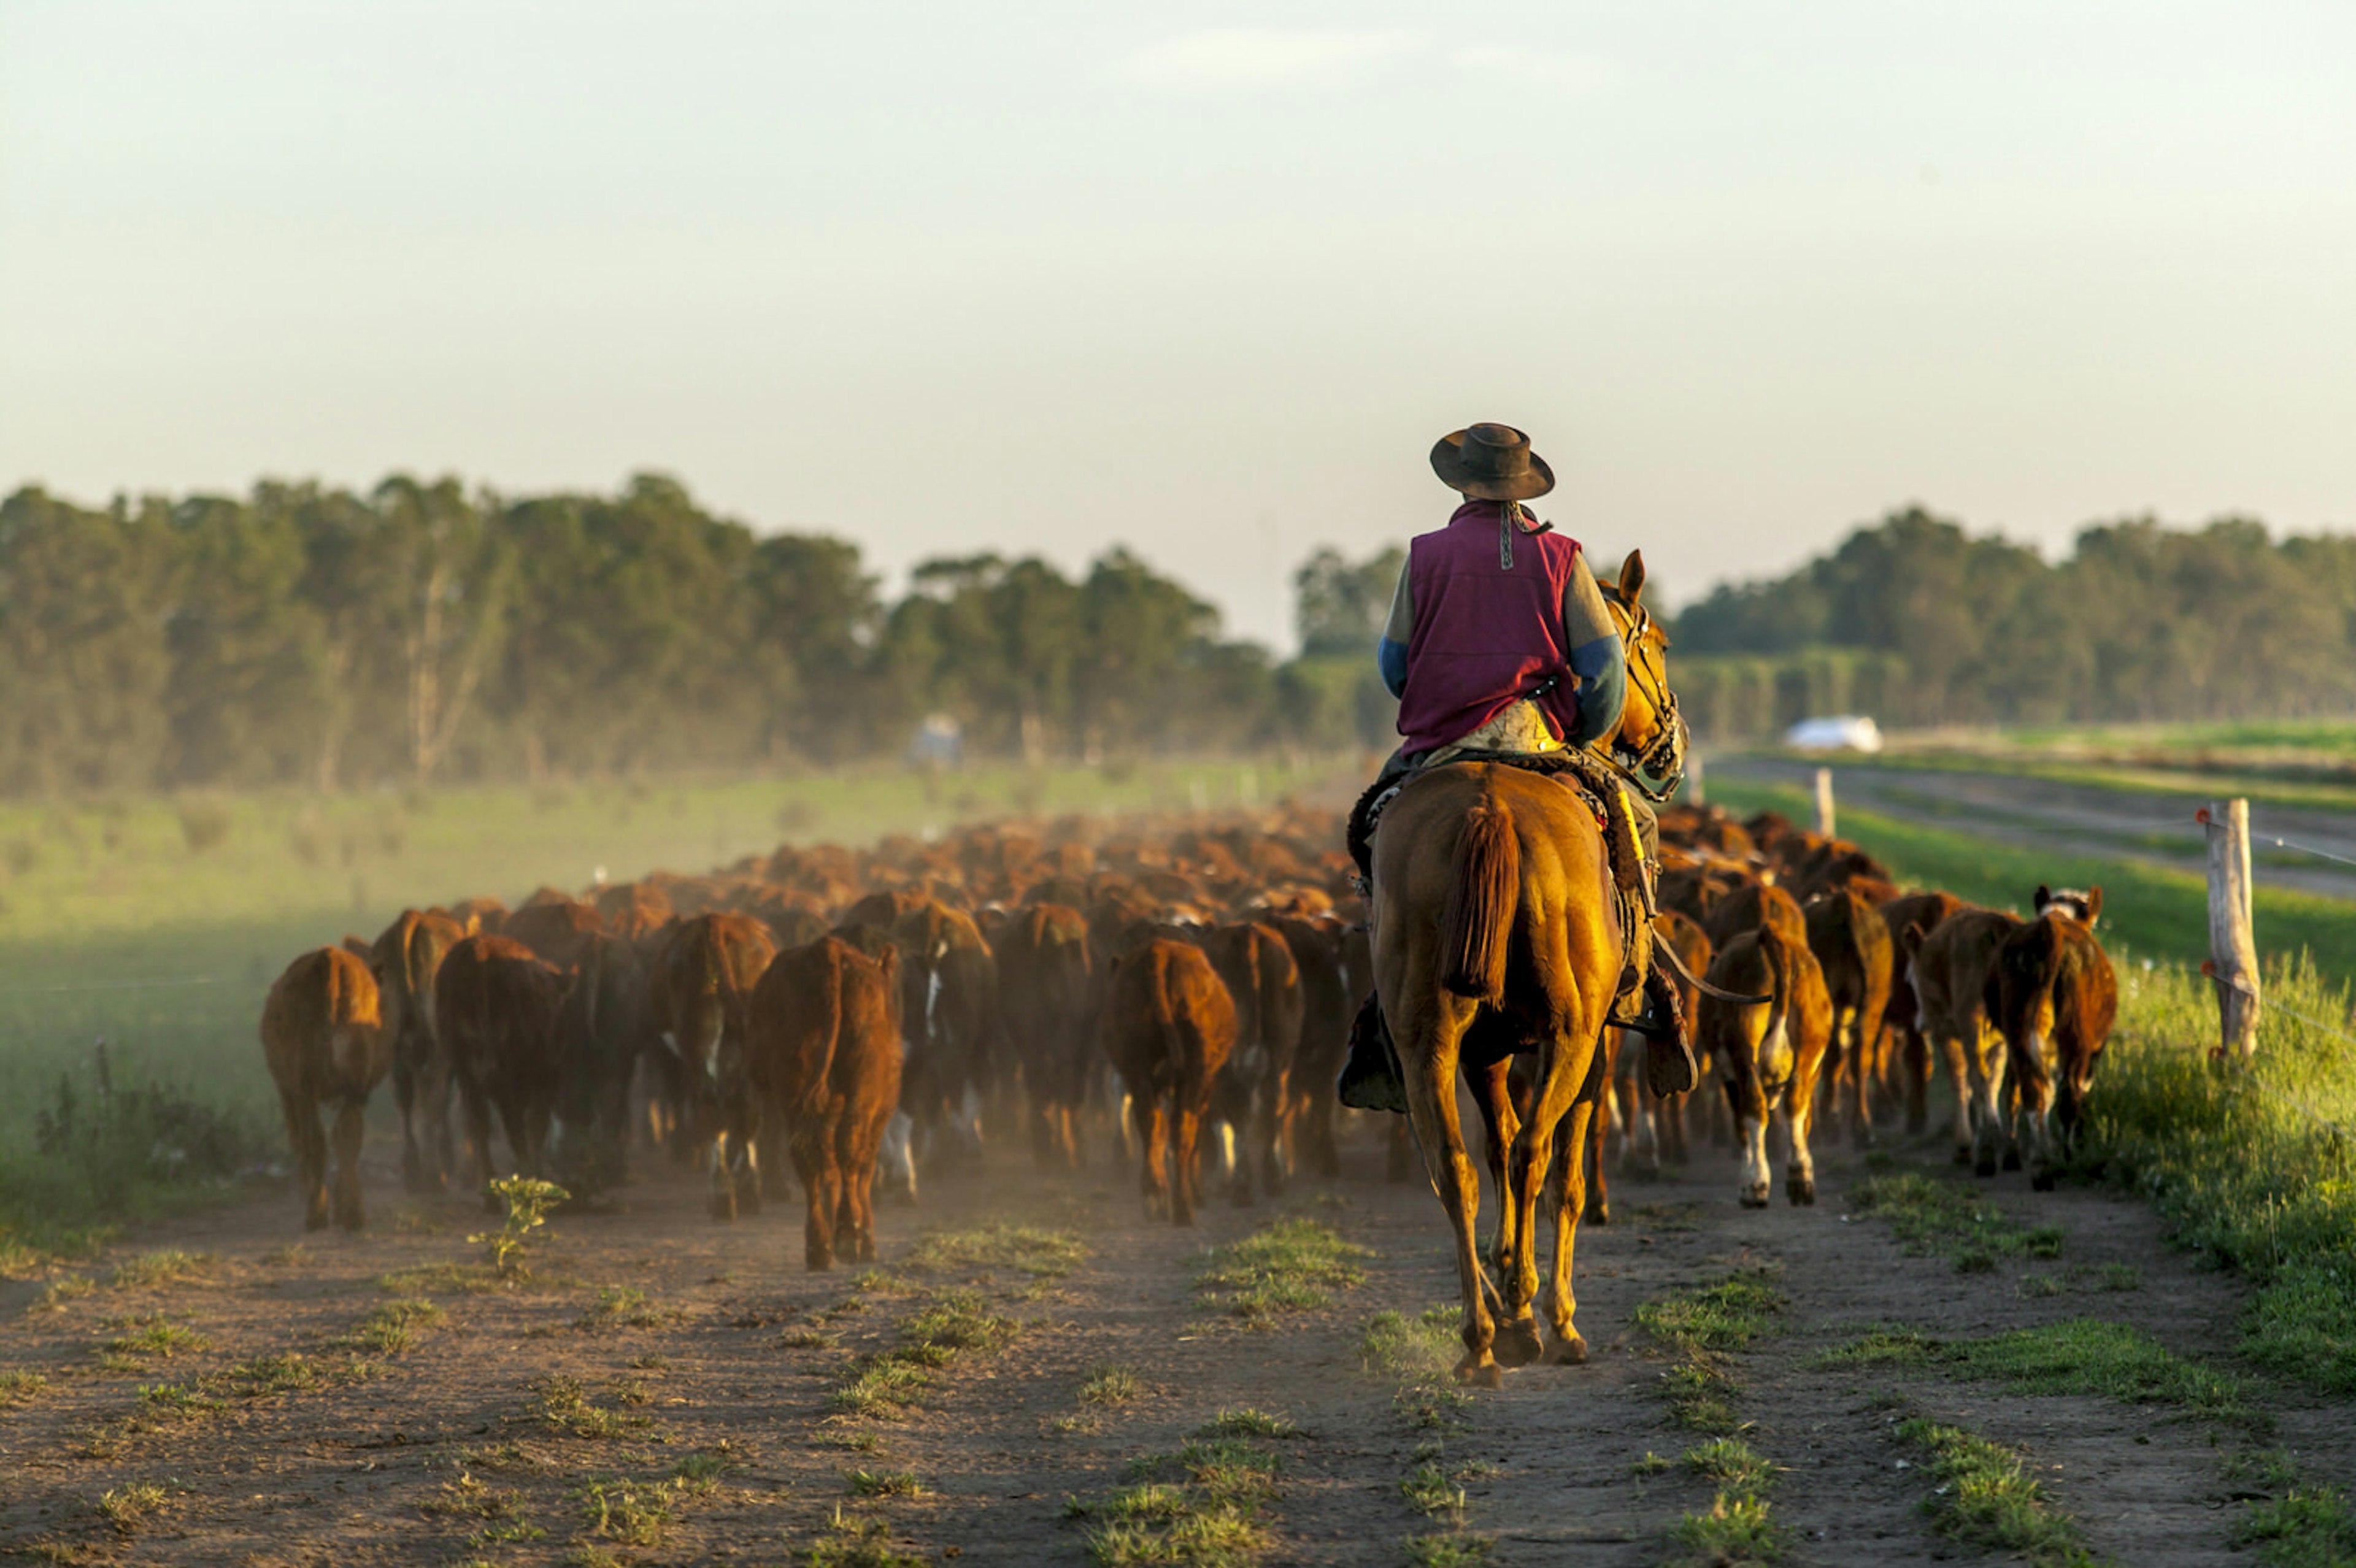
1502,647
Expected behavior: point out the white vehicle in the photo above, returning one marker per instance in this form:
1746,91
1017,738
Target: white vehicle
1843,732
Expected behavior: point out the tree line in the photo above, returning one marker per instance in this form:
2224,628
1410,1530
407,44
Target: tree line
427,632
1916,621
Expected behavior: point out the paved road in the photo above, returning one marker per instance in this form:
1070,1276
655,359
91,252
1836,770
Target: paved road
2150,826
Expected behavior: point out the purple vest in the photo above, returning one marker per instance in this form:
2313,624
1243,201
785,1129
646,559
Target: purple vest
1485,636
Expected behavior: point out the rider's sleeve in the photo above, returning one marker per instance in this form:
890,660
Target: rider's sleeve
1391,652
1598,662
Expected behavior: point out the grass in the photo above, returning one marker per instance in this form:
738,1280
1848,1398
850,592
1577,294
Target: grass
856,1542
392,1327
1428,1491
1738,1528
1730,1461
882,1388
632,1513
568,1412
2304,1528
1715,1318
126,1507
1392,1344
1287,1265
1448,1549
1110,1385
440,1279
954,1322
2078,1356
18,1387
57,1292
149,1270
1931,1215
138,1340
883,1484
1984,1500
1025,1249
1248,1422
622,1305
1207,1518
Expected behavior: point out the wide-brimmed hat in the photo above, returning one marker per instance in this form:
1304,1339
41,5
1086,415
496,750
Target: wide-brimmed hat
1492,463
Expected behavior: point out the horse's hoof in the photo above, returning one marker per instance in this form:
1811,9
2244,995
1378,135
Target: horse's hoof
1567,1351
1802,1193
1755,1197
1598,1214
1517,1343
1479,1374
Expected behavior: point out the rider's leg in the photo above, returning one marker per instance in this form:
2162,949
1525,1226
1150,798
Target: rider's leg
1370,1078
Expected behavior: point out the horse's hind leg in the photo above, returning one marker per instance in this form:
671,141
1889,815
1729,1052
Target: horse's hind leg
1564,1199
1431,1101
1492,1097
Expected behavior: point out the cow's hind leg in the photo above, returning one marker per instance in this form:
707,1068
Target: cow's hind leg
404,1095
1153,1137
351,1124
310,1155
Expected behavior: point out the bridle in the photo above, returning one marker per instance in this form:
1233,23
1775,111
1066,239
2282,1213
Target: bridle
1664,756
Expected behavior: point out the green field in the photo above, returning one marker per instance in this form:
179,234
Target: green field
159,924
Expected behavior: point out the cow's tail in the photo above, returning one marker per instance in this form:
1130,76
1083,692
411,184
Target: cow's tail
819,1069
1482,893
417,977
1775,948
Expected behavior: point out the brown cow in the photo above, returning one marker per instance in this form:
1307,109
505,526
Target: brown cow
1911,918
496,1007
1768,1053
1750,906
1851,945
1046,995
2053,989
479,916
698,990
1327,1005
1656,1123
323,1035
1257,964
1952,970
948,997
825,1060
558,930
403,961
606,1024
1168,1028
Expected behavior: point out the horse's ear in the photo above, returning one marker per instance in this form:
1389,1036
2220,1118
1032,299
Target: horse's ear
1632,578
2094,906
2044,896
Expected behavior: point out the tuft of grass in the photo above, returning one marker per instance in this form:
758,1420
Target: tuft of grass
440,1279
1247,1422
288,1256
1986,1500
20,1387
265,1376
954,1322
854,1542
883,1484
1701,1396
698,1473
1205,1524
138,1340
189,1399
126,1507
567,1411
620,1306
1719,1317
1428,1491
2077,1356
1731,1462
1287,1265
168,1267
1392,1344
392,1327
880,1282
1448,1549
1739,1528
2304,1528
1930,1214
881,1388
631,1512
57,1292
806,1339
525,1201
1652,1463
1110,1385
1025,1249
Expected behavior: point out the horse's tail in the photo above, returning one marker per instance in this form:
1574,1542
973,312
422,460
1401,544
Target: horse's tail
1482,894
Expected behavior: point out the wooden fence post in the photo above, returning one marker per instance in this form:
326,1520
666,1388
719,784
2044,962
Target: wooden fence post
1824,802
2232,938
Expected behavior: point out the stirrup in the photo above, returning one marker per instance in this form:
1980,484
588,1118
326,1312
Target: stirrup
1370,1079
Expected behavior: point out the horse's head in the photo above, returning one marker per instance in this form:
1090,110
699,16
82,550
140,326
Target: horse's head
1651,735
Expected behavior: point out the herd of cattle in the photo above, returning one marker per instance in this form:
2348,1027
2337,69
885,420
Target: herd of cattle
868,1014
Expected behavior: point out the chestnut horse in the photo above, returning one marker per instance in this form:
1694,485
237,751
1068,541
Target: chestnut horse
1496,935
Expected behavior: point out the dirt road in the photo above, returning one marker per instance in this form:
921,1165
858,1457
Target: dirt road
669,1390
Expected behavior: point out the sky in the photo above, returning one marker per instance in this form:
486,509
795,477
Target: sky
1202,279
